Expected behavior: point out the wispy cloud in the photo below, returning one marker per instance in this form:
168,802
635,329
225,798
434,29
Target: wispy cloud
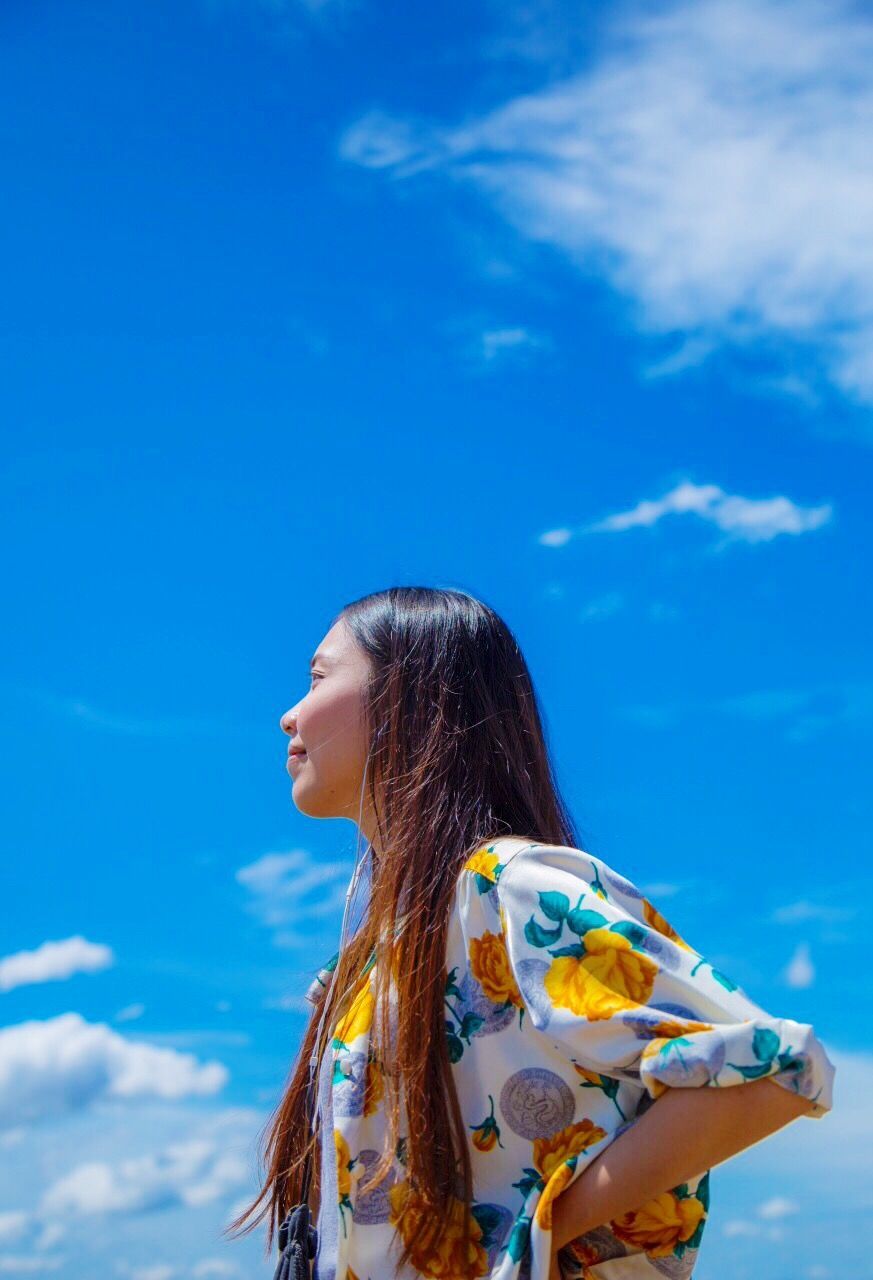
740,519
712,163
130,1013
126,723
800,971
801,714
498,343
290,892
53,962
602,607
802,911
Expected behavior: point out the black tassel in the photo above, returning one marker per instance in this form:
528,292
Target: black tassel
298,1241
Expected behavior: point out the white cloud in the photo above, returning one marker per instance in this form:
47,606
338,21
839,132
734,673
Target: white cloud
192,1173
712,163
660,889
160,1271
777,1207
12,1225
52,1067
26,1265
800,714
215,1267
798,912
130,1013
602,607
739,518
800,971
498,342
53,961
556,537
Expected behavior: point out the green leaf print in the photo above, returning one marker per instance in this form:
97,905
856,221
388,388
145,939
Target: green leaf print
455,1047
725,981
470,1025
518,1238
581,921
576,949
752,1073
635,933
489,1219
451,988
765,1044
554,905
483,884
537,936
532,1178
702,1191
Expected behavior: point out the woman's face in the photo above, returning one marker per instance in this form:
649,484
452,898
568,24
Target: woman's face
328,726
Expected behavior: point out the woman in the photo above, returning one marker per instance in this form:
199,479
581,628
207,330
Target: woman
514,1044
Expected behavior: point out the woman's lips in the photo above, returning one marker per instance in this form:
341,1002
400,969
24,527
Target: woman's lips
295,756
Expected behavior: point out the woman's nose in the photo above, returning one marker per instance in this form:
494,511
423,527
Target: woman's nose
288,720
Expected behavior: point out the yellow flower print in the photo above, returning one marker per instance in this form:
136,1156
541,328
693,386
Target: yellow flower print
483,864
668,1029
555,1159
487,1133
657,921
553,1188
652,1049
610,976
592,1077
660,1224
343,1161
446,1259
358,1018
491,969
374,1087
550,1153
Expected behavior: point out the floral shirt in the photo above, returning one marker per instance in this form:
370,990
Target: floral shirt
571,1005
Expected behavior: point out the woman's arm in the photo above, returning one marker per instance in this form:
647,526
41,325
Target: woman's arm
682,1134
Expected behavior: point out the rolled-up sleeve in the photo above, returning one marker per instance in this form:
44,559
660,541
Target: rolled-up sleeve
603,973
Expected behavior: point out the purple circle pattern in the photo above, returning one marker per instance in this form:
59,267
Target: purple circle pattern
373,1207
537,1103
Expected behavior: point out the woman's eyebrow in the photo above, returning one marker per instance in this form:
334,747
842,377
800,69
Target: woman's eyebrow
318,656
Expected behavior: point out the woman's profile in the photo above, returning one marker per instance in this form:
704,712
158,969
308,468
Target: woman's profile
522,1069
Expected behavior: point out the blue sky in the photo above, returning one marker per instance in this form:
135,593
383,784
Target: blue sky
565,306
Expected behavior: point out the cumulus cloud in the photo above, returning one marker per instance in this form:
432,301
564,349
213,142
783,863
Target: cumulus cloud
211,1162
711,163
738,518
65,1063
53,961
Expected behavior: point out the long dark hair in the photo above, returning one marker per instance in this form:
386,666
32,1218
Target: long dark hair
457,757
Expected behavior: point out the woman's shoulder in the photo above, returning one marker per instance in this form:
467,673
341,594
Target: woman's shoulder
489,863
